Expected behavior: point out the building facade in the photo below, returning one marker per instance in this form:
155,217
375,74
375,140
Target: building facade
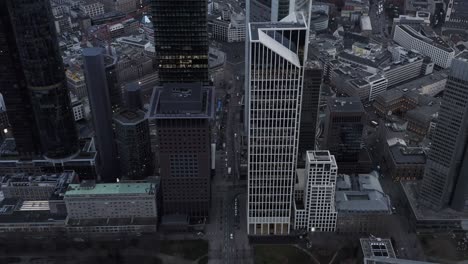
45,76
317,211
276,59
101,112
133,144
345,119
182,114
181,40
434,47
14,88
309,110
111,200
445,180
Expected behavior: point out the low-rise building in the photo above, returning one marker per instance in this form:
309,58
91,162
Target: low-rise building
361,204
231,29
30,186
427,43
124,6
91,8
404,162
89,200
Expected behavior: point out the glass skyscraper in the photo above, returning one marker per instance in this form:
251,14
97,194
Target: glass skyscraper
14,90
445,181
36,43
181,40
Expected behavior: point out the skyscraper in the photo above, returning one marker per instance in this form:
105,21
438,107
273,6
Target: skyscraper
36,42
14,89
277,55
134,144
345,118
445,180
182,112
181,40
99,102
316,212
269,10
309,110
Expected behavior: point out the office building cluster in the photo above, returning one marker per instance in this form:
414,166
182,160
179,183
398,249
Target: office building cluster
130,117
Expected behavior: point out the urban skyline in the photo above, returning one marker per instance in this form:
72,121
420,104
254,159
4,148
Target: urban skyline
220,131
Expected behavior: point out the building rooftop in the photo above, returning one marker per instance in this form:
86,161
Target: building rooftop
377,247
345,104
427,35
58,181
361,194
128,117
320,156
407,155
294,20
104,189
182,101
16,211
420,82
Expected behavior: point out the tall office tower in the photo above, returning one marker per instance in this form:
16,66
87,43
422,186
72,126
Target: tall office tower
134,144
42,65
309,110
133,96
269,10
277,56
445,180
14,89
316,212
98,94
345,118
182,112
181,40
113,84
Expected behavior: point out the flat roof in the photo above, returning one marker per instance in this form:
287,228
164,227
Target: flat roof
128,116
377,247
345,104
182,101
109,189
14,210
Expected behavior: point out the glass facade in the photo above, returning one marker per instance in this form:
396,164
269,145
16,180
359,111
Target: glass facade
14,90
181,40
42,65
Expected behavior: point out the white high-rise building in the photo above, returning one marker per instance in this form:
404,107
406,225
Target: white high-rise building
316,210
276,57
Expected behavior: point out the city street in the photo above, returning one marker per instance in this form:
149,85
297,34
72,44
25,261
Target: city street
227,228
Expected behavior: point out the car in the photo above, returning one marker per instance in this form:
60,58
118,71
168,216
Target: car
231,236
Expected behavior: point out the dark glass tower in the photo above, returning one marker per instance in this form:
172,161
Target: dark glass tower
445,181
14,89
182,113
42,65
309,110
343,132
181,40
99,101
